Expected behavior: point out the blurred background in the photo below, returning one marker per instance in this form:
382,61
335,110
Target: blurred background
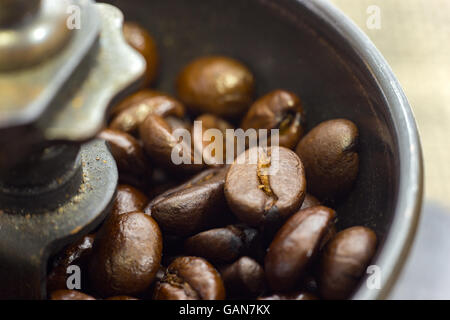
414,37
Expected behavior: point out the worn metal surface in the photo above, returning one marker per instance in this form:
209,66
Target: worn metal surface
312,49
26,93
29,236
110,70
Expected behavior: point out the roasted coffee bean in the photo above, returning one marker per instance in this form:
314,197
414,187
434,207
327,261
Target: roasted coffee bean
121,298
258,197
295,246
133,165
280,110
192,207
129,119
329,154
210,121
144,43
77,254
223,245
218,85
160,143
128,199
133,100
344,261
244,279
190,278
291,296
310,201
69,295
126,255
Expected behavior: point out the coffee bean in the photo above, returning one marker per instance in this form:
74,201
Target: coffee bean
126,255
329,154
244,279
295,246
133,165
192,207
280,110
134,115
77,254
258,198
291,296
69,295
190,278
344,261
218,85
223,245
159,143
128,199
144,43
134,99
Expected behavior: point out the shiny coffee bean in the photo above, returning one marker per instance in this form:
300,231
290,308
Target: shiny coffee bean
223,245
126,255
344,262
121,298
258,198
291,296
69,295
133,165
132,117
160,143
144,43
77,254
134,99
192,207
218,85
210,121
190,278
295,246
329,154
128,199
244,279
280,110
310,201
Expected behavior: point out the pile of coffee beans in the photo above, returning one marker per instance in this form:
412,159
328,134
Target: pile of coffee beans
210,231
